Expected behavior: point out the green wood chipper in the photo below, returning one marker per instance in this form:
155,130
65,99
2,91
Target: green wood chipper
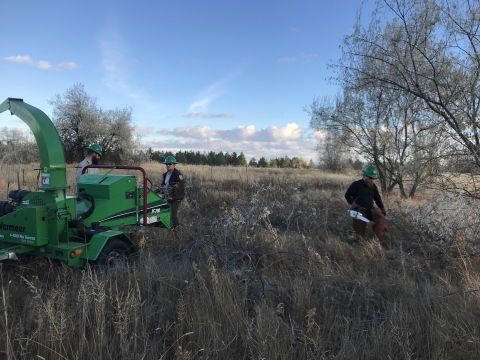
75,229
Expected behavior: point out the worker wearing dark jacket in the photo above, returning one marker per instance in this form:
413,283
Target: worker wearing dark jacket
174,184
360,195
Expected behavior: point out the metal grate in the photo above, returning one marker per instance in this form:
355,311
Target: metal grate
37,201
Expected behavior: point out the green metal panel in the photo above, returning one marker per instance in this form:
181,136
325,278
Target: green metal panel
118,202
52,159
54,179
25,226
107,186
17,249
55,216
165,219
62,252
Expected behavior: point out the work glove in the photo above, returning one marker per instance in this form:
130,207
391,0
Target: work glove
384,211
354,206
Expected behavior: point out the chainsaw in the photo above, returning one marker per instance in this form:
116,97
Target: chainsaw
358,215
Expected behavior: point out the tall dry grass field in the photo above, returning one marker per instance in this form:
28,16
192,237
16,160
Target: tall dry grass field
264,268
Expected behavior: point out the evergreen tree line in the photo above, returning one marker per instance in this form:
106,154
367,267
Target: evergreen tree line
224,159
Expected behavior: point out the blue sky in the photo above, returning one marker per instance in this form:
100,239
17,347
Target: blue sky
230,75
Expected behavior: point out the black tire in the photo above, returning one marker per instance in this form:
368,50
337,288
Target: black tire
114,254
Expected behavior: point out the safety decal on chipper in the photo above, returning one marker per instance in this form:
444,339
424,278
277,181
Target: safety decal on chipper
124,214
45,179
152,219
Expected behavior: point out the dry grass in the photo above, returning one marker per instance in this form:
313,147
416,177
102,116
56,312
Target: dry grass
264,268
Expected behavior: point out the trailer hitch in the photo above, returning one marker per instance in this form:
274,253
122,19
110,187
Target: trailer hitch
11,252
8,256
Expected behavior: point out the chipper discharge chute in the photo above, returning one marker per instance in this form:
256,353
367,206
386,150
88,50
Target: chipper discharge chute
74,229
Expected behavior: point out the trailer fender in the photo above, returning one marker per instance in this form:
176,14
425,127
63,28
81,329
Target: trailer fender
99,240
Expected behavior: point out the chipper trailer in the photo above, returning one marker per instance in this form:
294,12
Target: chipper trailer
74,229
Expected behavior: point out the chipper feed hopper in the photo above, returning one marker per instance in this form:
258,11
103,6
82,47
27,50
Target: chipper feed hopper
74,229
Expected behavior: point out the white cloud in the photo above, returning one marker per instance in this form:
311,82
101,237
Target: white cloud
210,93
42,64
193,132
273,141
117,63
19,59
206,96
68,65
203,115
143,130
288,132
287,59
304,58
240,133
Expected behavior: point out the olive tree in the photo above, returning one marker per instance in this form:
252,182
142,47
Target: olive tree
80,121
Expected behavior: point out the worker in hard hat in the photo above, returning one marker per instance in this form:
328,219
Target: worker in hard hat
361,195
174,184
94,152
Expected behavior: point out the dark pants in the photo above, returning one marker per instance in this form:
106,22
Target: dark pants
380,224
175,205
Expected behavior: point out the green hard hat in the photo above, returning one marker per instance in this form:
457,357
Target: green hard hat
371,172
95,147
170,160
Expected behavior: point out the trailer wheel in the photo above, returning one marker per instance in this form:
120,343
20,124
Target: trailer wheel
115,253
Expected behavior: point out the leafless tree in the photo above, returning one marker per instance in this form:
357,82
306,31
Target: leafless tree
80,122
429,50
17,147
333,153
390,131
410,83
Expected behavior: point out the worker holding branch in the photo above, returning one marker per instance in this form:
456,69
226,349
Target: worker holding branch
361,195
